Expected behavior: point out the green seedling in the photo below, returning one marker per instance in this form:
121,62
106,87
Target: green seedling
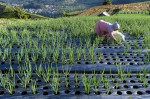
4,80
18,58
128,73
133,54
140,77
116,63
87,41
78,53
121,73
127,46
139,52
147,54
113,43
20,70
145,83
28,68
135,44
86,82
97,41
11,71
25,79
44,53
71,55
102,76
84,54
66,72
145,72
125,52
112,78
107,86
22,52
36,52
81,43
13,83
56,55
34,58
1,52
63,57
91,53
146,41
93,45
76,79
27,58
46,75
33,87
101,39
55,82
104,81
9,88
39,70
4,58
95,82
10,48
100,56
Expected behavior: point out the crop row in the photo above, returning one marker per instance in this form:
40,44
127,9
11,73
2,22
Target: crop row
54,79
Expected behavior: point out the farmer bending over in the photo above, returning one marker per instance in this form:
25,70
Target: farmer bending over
106,29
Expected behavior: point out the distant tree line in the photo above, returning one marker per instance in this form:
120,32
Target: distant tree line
107,2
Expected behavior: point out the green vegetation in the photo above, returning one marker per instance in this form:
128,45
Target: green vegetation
16,12
107,2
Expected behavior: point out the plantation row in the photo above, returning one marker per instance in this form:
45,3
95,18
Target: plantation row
133,12
69,56
26,79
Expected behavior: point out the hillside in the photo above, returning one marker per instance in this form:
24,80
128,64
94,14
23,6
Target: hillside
10,12
72,2
111,9
70,5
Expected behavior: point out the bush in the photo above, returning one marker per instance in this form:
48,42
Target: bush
107,2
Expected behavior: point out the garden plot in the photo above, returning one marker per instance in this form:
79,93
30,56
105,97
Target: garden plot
36,59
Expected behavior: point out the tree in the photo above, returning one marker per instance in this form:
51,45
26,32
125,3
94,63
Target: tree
107,2
20,13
